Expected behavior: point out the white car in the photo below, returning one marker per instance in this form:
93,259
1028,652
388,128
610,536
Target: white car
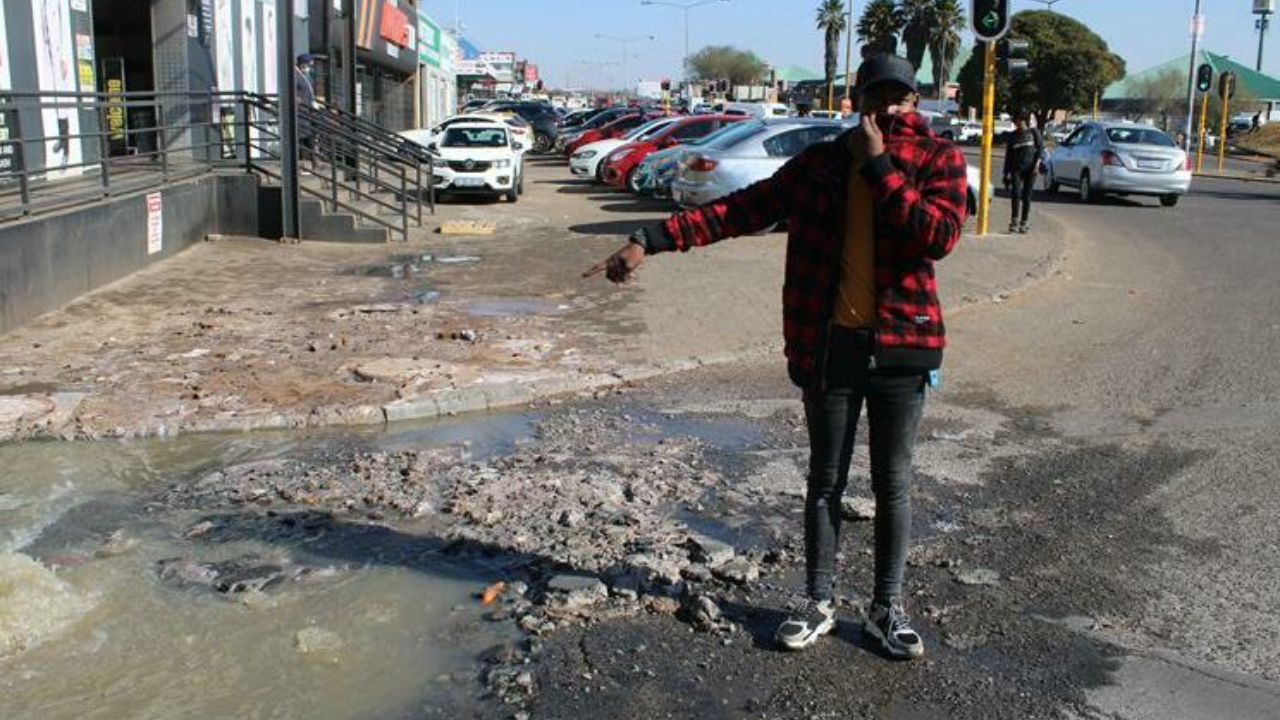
521,134
586,162
477,158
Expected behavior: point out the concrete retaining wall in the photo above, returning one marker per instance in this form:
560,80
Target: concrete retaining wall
49,261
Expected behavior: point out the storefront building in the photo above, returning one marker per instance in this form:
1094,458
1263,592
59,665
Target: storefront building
437,74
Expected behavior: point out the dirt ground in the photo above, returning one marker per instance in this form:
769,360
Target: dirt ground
242,333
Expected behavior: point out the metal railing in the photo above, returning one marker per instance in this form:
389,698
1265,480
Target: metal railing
62,150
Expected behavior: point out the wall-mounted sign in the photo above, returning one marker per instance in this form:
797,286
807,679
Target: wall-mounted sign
395,25
155,223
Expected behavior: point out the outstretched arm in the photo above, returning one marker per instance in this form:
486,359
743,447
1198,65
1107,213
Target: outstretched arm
746,211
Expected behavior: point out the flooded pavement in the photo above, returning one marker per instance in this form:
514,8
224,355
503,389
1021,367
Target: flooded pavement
111,607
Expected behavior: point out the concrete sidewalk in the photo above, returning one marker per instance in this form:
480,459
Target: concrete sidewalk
242,333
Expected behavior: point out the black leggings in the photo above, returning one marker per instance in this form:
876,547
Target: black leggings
895,404
1023,184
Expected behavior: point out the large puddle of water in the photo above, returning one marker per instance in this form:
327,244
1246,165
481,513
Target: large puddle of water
88,629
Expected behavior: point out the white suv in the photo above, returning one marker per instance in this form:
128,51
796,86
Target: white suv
477,158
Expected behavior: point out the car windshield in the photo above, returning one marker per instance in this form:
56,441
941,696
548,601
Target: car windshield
475,137
1139,136
735,134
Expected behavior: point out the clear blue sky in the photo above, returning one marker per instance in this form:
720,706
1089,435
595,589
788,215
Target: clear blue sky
559,35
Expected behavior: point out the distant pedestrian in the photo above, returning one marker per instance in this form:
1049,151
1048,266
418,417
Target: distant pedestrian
1256,123
305,95
1021,166
869,214
846,108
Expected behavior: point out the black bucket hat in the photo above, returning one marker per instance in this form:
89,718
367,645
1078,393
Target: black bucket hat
885,67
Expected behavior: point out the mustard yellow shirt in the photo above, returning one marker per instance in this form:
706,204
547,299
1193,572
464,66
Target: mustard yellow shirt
856,297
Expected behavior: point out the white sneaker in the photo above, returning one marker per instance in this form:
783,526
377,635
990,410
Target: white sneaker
806,624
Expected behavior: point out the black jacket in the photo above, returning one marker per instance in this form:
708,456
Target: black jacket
1023,152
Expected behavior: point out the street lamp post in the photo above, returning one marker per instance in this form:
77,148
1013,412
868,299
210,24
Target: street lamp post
685,7
1197,27
625,43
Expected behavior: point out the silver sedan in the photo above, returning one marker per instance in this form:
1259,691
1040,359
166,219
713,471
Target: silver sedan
1120,159
752,151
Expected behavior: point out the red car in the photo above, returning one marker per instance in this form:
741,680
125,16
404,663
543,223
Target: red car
619,167
615,129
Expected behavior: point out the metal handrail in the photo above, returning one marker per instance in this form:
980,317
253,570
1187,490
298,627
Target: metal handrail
190,134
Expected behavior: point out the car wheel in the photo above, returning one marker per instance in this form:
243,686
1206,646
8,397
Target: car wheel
542,144
600,173
520,185
1086,188
511,196
1168,200
633,181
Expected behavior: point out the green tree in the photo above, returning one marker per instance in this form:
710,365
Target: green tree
879,26
832,22
944,40
741,67
918,21
1069,64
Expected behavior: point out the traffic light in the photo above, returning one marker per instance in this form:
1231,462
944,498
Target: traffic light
1011,57
990,18
1227,85
1204,78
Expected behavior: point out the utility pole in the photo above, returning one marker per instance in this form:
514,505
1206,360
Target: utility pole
626,44
1197,29
685,8
1263,9
290,220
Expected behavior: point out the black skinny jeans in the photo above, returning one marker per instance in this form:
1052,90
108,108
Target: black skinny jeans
895,404
1021,186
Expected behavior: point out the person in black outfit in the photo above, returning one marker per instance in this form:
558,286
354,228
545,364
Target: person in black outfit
1021,165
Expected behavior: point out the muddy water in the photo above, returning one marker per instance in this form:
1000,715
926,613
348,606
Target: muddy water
88,629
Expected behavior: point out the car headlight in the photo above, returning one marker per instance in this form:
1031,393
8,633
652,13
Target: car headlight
618,156
585,155
502,164
439,163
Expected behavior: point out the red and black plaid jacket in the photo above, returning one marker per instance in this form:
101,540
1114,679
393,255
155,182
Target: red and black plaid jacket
919,190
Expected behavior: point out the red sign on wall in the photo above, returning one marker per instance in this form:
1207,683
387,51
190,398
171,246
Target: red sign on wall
395,25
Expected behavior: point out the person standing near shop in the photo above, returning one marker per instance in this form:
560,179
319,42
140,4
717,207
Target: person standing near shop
869,215
305,95
1022,158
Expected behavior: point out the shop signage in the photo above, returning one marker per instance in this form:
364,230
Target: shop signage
395,25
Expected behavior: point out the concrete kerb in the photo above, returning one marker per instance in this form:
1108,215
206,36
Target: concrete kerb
1239,178
1043,269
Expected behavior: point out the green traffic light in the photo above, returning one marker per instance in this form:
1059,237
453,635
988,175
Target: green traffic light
991,20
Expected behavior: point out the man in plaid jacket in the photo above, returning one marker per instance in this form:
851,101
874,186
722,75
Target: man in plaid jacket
869,214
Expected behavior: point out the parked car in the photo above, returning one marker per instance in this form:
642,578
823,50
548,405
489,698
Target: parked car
586,161
656,172
620,165
477,157
541,116
955,129
758,110
1121,159
614,129
739,159
521,134
599,119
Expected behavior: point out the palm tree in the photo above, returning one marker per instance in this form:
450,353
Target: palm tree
879,26
831,20
918,24
944,40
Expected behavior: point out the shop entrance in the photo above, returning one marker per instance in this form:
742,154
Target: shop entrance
123,37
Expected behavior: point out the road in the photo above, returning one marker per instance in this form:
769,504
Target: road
1102,450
